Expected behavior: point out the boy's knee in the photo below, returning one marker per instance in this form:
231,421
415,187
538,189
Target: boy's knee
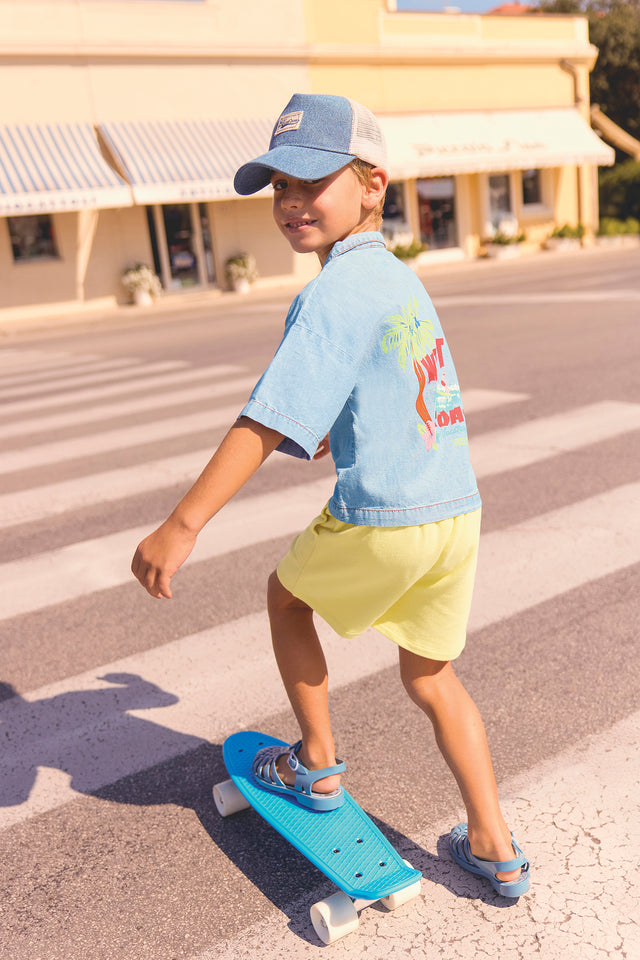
275,591
424,679
280,600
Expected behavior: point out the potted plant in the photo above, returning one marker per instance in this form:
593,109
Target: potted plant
142,284
500,244
566,237
241,272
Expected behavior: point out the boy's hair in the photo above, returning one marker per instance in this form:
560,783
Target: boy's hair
362,170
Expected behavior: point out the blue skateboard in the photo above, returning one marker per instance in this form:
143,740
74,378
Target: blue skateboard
344,844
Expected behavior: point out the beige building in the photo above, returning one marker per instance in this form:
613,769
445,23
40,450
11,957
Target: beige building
128,118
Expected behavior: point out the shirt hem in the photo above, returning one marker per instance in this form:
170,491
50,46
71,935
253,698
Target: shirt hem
404,516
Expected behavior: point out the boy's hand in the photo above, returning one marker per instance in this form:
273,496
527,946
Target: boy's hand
244,448
159,556
323,449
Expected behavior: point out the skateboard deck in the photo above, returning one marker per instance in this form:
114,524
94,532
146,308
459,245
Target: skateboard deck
344,844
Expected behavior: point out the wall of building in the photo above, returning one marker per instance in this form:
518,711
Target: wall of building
73,60
121,241
248,226
41,281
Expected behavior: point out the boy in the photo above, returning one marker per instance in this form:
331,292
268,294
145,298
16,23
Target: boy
363,372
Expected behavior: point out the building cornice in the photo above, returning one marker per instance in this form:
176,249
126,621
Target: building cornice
312,55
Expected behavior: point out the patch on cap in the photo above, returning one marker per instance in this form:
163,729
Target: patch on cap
288,121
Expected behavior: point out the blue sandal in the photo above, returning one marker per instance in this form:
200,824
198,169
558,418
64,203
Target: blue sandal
461,853
266,774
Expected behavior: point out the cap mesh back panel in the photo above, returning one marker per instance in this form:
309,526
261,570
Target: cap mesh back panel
367,141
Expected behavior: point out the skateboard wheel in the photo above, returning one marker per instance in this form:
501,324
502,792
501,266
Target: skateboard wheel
334,917
396,899
228,798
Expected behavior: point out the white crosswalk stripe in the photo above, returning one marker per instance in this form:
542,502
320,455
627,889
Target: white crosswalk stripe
147,383
109,440
34,360
209,391
74,735
97,376
51,374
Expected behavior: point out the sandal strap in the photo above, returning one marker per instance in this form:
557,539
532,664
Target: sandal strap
498,866
306,778
265,769
265,765
502,866
460,840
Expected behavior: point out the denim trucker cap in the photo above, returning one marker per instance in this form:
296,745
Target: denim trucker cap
315,135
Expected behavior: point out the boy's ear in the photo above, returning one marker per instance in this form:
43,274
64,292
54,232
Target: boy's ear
373,194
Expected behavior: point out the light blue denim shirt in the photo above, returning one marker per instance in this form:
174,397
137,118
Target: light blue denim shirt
364,358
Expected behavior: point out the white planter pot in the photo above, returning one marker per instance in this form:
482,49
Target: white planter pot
503,251
562,243
142,298
241,285
619,240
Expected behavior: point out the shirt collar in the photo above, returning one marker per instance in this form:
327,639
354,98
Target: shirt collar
370,238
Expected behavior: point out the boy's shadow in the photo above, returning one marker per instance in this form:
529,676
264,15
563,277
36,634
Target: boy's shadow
89,735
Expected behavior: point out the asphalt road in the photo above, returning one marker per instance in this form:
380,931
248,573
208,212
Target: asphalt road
114,707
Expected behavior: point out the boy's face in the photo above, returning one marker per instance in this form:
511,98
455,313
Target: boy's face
315,214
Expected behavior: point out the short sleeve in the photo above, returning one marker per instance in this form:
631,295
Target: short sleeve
304,388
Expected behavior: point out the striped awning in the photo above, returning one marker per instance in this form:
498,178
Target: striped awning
183,160
436,144
47,167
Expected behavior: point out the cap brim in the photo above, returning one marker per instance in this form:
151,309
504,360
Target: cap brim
303,163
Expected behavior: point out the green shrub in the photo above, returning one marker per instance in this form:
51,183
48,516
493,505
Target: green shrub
612,227
408,251
504,239
620,190
568,232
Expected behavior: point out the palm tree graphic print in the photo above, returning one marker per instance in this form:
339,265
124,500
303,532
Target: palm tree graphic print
413,339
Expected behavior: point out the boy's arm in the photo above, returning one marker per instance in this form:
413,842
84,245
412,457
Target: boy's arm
245,447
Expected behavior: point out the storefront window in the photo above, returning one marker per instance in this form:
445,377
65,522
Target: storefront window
182,244
153,236
436,204
394,217
179,233
207,242
499,200
531,188
32,238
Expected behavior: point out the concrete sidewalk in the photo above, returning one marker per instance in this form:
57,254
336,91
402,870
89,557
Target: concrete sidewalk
576,817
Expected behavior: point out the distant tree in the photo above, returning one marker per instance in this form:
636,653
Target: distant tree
614,28
620,190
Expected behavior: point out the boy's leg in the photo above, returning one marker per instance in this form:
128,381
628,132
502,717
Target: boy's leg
461,737
303,670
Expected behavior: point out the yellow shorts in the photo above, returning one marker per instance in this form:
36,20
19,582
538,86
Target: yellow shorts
413,584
